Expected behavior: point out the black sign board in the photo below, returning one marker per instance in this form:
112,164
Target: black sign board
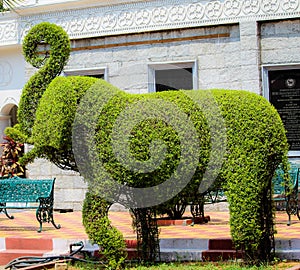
284,94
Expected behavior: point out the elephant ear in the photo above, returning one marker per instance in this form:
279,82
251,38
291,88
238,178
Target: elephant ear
53,126
56,112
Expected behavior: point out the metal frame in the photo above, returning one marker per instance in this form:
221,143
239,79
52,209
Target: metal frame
28,191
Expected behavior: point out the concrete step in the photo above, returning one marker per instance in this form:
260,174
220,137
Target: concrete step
287,249
29,243
183,243
131,243
221,250
13,247
180,254
10,254
171,249
182,249
131,248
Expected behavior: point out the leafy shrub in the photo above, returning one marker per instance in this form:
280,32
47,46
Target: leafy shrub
256,145
109,239
9,160
50,67
58,108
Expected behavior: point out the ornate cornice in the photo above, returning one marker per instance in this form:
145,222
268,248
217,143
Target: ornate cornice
149,16
9,33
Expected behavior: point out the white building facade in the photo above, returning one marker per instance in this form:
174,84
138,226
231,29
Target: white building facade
251,45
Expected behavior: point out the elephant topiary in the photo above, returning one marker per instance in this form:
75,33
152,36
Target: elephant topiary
124,142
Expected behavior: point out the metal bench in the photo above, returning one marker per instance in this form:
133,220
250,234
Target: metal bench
23,193
286,194
209,197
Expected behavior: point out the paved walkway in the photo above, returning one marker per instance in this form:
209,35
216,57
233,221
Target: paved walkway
25,225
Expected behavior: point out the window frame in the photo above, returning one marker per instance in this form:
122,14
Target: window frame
152,67
87,72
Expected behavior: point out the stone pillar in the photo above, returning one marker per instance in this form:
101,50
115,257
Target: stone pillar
4,122
250,56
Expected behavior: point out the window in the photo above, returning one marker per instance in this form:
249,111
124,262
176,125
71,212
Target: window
100,73
172,76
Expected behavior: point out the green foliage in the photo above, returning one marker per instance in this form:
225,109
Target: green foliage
16,134
50,67
256,145
144,134
9,5
255,136
58,108
110,241
9,160
193,265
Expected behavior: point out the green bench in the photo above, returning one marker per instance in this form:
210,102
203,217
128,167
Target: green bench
23,193
286,194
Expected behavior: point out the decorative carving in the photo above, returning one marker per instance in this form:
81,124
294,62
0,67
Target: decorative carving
10,100
160,15
270,6
8,31
93,23
251,7
126,19
148,15
142,17
76,25
6,73
63,22
195,11
214,9
232,8
109,21
177,13
289,5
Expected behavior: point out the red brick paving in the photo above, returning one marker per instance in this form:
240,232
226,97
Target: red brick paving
25,225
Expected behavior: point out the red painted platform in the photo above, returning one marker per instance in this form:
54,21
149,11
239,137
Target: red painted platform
19,236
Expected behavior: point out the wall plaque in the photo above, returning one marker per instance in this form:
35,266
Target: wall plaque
284,94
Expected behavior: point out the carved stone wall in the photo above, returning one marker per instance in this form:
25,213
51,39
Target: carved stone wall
133,17
280,42
159,15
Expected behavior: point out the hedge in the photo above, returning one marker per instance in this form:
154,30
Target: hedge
98,227
50,66
255,144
